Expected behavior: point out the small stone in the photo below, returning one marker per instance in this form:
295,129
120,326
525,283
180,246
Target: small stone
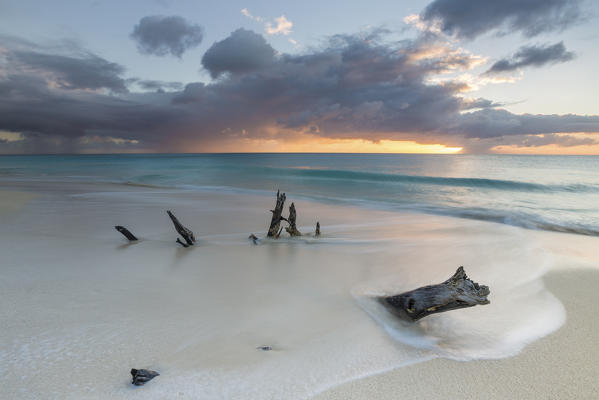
141,376
264,348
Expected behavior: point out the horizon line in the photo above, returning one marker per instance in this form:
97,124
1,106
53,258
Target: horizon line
294,152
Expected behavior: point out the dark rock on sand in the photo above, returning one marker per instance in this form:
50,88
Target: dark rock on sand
141,376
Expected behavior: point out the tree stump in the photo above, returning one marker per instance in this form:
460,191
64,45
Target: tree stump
292,228
456,292
183,231
275,221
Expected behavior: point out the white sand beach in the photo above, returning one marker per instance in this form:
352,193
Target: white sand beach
81,306
439,238
559,366
12,201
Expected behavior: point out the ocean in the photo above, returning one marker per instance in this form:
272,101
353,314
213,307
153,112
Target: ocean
555,193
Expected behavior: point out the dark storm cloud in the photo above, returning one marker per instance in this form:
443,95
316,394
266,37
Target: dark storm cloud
534,56
28,105
495,123
351,87
469,104
160,35
469,19
80,71
159,85
547,139
55,99
243,51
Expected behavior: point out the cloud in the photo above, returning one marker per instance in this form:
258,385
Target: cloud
559,140
283,26
243,51
248,14
29,106
478,103
159,85
470,19
535,56
10,136
161,35
475,82
72,68
54,100
353,86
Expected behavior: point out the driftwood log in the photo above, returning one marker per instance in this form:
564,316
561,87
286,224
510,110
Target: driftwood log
131,237
317,233
456,292
183,231
275,222
292,228
141,376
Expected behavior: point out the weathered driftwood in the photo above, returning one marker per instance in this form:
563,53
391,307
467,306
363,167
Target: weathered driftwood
183,231
456,292
292,228
141,376
275,222
254,238
126,233
317,233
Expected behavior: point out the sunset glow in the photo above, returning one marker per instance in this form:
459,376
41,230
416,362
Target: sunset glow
251,200
249,79
327,146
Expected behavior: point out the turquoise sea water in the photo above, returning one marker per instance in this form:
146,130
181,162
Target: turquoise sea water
559,193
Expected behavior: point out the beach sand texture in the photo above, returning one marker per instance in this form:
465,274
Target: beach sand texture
559,366
81,306
12,201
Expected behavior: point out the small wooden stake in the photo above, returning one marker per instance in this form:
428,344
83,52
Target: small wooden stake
292,228
183,231
275,221
126,233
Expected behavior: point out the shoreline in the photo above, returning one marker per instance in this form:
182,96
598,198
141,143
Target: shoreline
533,225
117,306
558,366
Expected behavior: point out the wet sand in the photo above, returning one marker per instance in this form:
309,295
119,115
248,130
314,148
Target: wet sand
559,366
81,305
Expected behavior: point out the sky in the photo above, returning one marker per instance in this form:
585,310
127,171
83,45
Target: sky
403,76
